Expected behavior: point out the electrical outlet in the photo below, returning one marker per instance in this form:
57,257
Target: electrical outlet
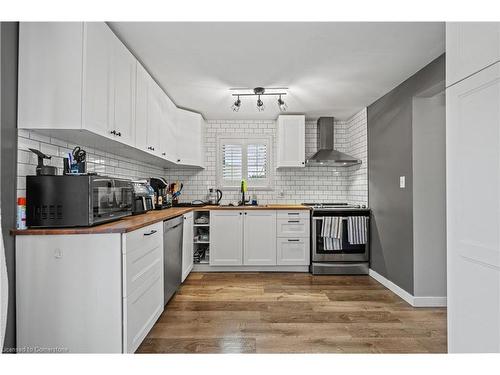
402,182
282,193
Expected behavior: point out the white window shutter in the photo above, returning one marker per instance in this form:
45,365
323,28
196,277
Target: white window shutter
232,162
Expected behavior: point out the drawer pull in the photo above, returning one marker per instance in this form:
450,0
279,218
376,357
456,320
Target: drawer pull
294,221
293,240
150,233
293,213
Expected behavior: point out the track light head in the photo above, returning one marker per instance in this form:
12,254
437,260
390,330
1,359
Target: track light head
260,104
282,105
237,104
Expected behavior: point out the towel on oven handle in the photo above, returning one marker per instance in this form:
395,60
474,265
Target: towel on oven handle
331,231
357,230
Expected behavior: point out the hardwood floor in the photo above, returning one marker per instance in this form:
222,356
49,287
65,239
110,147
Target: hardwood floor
293,313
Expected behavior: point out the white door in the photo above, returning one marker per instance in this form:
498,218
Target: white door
473,212
259,245
124,84
291,141
97,79
226,238
470,47
187,246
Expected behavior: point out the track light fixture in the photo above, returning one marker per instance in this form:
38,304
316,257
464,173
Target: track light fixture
282,105
259,91
260,105
237,104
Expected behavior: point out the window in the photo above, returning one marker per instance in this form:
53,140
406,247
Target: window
247,159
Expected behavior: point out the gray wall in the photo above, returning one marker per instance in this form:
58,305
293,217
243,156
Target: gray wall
8,160
429,194
390,156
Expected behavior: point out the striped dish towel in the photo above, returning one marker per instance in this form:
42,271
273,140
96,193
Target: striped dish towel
357,230
331,231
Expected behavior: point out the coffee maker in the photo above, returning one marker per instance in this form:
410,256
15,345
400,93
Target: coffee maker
143,196
162,198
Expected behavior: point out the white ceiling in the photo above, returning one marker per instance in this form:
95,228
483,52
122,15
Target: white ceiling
330,68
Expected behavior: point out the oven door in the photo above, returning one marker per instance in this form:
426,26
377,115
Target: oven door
348,253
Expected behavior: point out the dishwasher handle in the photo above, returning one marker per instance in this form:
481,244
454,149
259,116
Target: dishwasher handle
175,226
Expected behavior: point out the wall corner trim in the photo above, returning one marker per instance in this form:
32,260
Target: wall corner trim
412,300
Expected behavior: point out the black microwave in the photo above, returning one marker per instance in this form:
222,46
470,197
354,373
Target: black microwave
76,201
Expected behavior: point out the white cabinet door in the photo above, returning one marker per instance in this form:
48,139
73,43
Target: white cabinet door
189,132
167,131
69,292
98,93
154,120
226,238
473,214
470,47
259,245
187,246
124,85
293,251
291,141
50,75
141,107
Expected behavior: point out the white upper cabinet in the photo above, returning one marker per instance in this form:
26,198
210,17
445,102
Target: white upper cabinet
189,129
80,76
167,131
98,91
50,75
470,47
124,84
259,245
291,141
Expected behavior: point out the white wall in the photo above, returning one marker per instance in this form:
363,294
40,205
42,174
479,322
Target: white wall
309,184
429,196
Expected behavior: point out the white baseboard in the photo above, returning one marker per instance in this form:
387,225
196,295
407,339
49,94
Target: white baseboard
412,300
429,301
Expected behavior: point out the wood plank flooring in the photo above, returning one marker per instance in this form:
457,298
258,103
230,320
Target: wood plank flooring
292,313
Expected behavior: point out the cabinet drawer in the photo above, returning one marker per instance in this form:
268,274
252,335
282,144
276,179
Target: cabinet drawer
301,214
293,251
295,227
139,265
141,310
144,239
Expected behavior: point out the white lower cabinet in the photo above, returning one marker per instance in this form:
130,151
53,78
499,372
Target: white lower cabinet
226,238
89,293
259,238
293,251
187,246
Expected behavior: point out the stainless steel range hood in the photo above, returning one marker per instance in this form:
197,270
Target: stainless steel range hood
326,155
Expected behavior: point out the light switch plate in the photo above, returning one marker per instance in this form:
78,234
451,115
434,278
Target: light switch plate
402,182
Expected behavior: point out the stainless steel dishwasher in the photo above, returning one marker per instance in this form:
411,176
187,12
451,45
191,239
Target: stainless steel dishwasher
172,256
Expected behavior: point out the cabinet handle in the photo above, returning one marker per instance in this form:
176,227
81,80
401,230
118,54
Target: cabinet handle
293,213
178,160
164,153
303,163
150,233
151,148
119,134
245,213
113,132
294,221
293,240
240,213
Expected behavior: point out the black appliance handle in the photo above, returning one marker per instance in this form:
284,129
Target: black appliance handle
219,195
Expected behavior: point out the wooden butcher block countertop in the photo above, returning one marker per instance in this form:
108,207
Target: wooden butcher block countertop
131,223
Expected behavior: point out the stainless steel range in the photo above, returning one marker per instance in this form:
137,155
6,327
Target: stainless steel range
351,255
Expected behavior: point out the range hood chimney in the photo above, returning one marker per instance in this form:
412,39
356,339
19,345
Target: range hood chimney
326,155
